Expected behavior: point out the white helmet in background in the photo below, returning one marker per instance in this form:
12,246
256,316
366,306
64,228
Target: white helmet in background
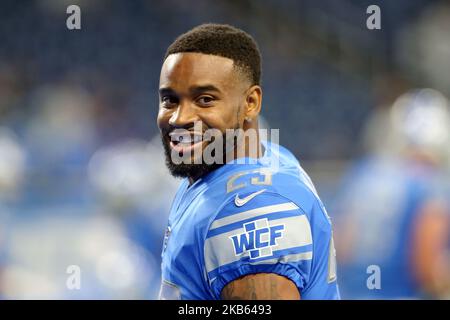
421,123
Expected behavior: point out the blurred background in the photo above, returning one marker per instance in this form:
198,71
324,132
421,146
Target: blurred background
82,174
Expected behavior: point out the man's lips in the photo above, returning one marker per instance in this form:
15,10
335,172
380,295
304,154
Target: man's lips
184,136
185,147
183,141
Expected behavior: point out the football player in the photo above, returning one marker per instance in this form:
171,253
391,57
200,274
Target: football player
393,213
240,227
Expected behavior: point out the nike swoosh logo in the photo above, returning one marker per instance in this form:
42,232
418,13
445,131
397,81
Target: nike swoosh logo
240,202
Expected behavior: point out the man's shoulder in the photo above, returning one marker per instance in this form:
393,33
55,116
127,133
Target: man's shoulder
237,187
252,187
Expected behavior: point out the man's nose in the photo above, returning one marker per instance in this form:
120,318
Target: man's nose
184,116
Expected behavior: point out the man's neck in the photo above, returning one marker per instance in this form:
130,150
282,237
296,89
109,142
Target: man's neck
249,145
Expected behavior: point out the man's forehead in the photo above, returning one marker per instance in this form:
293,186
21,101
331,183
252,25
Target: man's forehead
190,67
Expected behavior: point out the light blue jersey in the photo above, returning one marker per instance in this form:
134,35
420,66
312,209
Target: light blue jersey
249,218
379,207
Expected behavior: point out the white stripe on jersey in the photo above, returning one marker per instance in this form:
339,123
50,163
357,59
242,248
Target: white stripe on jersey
219,249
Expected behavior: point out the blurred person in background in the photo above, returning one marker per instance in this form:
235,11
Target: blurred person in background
133,188
47,221
392,215
12,169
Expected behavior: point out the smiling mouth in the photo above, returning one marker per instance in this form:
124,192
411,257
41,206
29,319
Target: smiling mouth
185,141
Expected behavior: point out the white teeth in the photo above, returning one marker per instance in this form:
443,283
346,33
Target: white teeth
185,137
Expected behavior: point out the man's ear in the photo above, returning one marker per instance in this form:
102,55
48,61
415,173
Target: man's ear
253,103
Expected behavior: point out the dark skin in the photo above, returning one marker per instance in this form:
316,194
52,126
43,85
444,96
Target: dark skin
261,286
199,87
211,89
429,258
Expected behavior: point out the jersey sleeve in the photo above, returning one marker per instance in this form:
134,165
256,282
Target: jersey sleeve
259,232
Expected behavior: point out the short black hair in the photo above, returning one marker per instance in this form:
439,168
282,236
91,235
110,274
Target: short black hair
225,41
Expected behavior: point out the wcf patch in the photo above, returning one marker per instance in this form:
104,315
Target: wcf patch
258,239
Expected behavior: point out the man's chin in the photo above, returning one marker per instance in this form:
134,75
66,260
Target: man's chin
193,171
194,168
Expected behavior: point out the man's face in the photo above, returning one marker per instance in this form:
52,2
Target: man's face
195,88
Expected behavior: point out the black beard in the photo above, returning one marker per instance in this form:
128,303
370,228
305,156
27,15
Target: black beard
184,170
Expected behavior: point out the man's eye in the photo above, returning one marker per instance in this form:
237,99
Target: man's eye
168,100
206,100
